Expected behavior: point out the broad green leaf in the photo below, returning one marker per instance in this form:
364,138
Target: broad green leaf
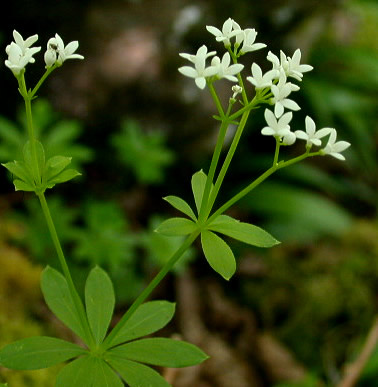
218,254
181,205
55,165
198,187
148,318
64,176
176,227
58,298
135,374
38,352
22,186
161,352
244,232
28,157
19,169
87,371
99,301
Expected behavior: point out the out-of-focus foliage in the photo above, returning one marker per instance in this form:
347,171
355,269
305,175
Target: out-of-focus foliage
144,153
320,300
20,298
59,137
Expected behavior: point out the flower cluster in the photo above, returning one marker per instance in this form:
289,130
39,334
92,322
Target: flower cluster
20,52
272,88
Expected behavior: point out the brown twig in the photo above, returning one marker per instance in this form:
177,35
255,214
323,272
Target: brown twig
353,371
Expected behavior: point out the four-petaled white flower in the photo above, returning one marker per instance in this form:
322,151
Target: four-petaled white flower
311,135
20,52
296,69
223,68
57,53
277,128
229,29
249,45
200,72
280,92
259,80
334,148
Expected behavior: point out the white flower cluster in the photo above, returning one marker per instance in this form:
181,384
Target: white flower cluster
20,52
274,83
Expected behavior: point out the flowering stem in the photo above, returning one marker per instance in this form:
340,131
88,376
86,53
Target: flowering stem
277,151
216,99
74,294
44,76
151,286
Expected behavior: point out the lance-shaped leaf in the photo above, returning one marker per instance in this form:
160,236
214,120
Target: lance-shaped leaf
28,157
99,302
181,205
135,374
148,318
66,175
87,371
176,227
198,187
218,254
58,298
20,185
244,232
20,170
38,352
56,165
161,351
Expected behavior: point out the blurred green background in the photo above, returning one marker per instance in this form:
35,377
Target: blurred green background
294,315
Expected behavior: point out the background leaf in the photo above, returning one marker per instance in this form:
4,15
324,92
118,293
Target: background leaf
218,254
161,352
99,301
37,352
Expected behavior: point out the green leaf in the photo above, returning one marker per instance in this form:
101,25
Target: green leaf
218,254
198,186
37,352
28,157
58,298
161,352
55,165
3,384
135,374
87,371
64,176
148,318
99,301
181,205
19,169
22,186
176,227
243,232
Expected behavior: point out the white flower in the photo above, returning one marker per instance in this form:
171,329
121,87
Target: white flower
229,29
20,52
334,148
259,80
296,69
249,45
223,68
280,92
312,136
199,72
58,53
280,128
291,66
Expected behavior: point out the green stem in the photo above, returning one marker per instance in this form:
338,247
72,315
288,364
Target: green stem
277,151
74,294
44,76
151,286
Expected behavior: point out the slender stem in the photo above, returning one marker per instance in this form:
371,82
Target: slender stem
227,161
216,99
151,286
74,294
44,76
277,151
